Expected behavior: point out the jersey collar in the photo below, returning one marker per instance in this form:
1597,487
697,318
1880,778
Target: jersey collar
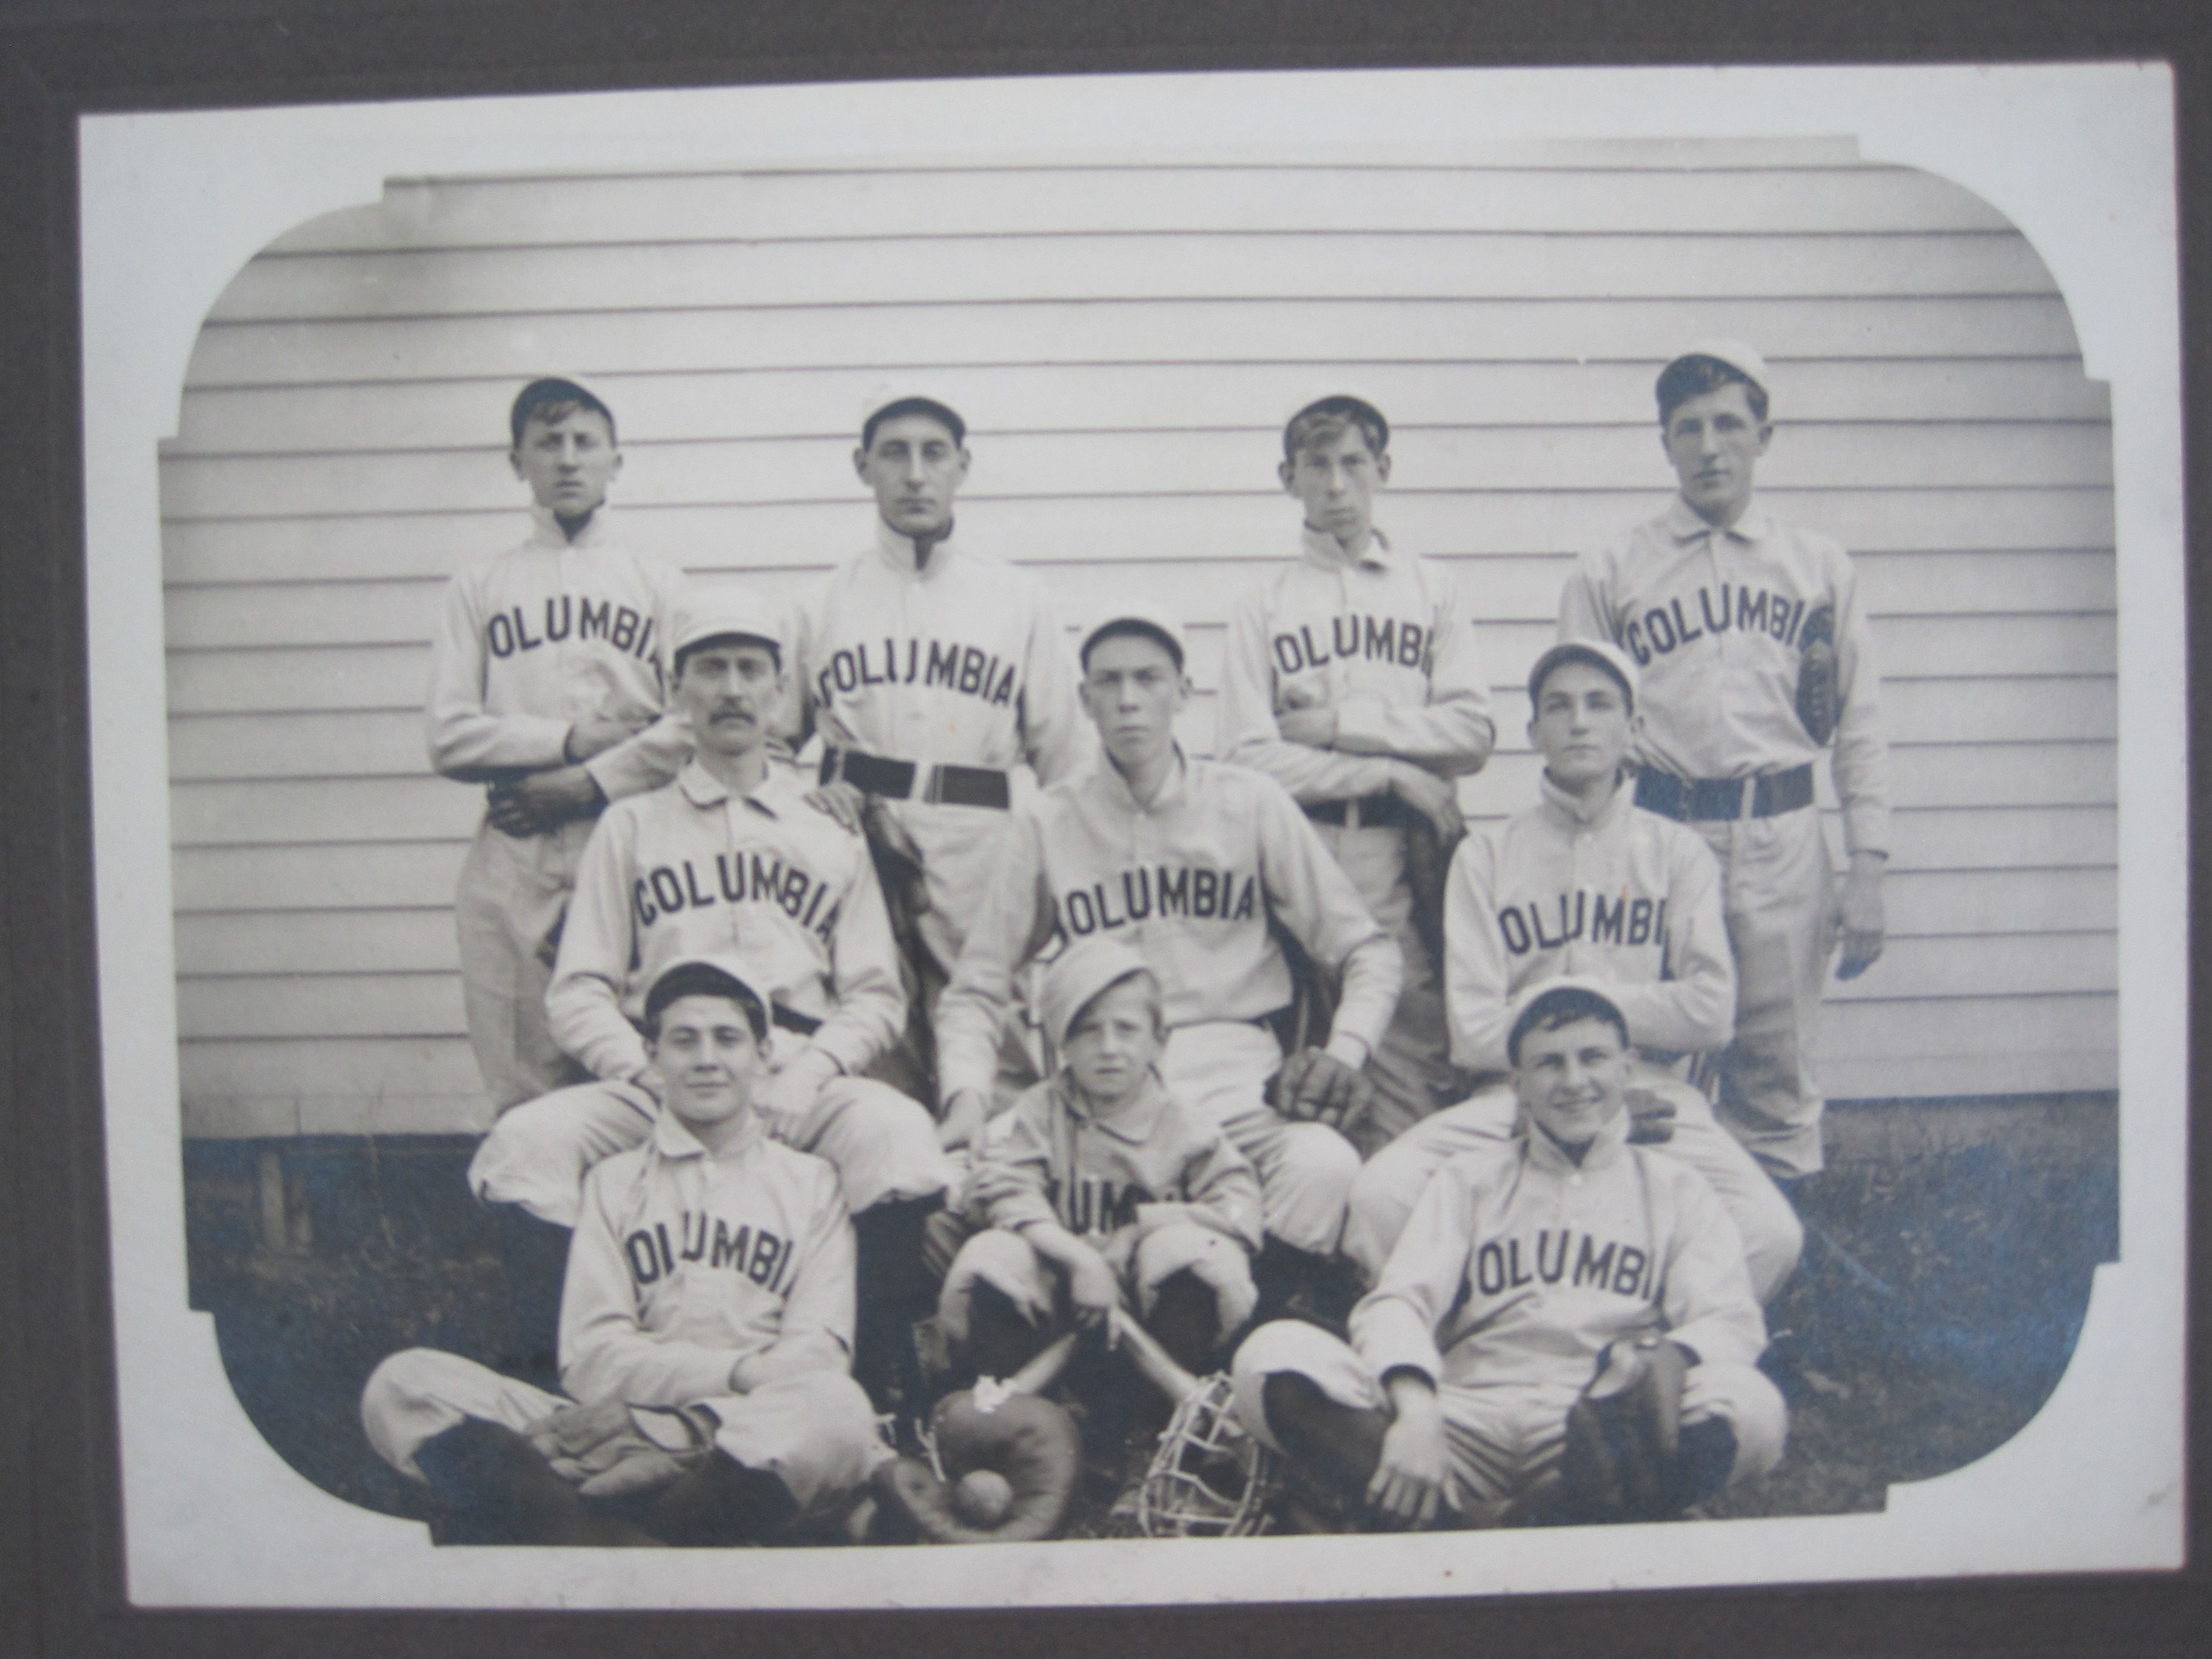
897,550
1684,524
1324,549
774,796
673,1140
1565,811
545,530
1133,1125
1117,786
1609,1147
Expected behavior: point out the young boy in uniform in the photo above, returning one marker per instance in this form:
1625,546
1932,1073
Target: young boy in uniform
706,1327
930,670
1751,639
546,683
1350,679
1585,883
1100,1190
731,855
1524,1267
1194,864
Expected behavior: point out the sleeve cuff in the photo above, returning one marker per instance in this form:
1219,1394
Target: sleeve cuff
1351,1050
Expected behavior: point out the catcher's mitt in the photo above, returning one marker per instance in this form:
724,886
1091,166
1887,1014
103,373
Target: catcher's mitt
1031,1442
1208,1479
1623,1456
609,1450
1820,699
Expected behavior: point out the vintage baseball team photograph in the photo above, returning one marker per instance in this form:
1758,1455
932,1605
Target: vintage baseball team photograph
1157,842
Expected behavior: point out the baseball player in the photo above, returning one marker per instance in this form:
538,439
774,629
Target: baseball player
546,682
1585,883
1751,640
706,1327
731,855
1099,1189
1350,679
1194,863
1524,1267
930,671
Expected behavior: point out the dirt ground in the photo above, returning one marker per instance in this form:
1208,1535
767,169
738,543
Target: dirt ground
1947,1269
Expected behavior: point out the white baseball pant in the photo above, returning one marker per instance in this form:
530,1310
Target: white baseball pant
512,892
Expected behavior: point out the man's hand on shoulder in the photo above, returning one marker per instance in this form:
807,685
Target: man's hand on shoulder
543,800
841,801
597,735
1315,1086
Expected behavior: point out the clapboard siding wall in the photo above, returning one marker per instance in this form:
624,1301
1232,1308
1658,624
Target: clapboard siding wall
1126,341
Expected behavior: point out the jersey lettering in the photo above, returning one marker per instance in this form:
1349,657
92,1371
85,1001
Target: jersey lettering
1398,640
1563,919
760,1255
1501,1265
1092,1204
1201,894
736,878
1669,624
508,632
948,665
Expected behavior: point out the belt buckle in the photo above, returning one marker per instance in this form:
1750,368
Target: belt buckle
1353,817
1748,806
932,791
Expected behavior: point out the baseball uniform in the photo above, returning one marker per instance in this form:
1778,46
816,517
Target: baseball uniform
534,639
1617,895
1714,619
694,1279
1379,637
1154,1188
1516,1270
692,870
1193,879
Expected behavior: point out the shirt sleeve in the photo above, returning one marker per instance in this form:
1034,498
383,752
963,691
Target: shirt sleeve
1056,736
1016,920
1394,1326
1220,1190
1859,760
649,758
1248,733
1693,1007
817,1330
468,742
1014,1173
1707,1299
583,1004
1452,732
1585,613
1478,985
1316,901
870,1009
607,1353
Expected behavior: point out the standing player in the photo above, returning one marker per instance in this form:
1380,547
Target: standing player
706,1325
1752,641
1194,863
930,671
1350,679
1584,882
729,856
1526,1271
546,683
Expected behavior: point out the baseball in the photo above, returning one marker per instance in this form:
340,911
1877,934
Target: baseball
982,1497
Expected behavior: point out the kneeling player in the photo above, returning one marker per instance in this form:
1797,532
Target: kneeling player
1101,1191
706,1325
1587,882
1527,1271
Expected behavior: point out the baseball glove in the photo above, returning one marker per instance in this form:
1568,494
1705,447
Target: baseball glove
1623,1455
1030,1441
609,1450
1820,702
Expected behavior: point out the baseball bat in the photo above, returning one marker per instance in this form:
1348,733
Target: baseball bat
1155,1363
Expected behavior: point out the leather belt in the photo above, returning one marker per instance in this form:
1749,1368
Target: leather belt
1693,799
791,1020
902,779
1380,810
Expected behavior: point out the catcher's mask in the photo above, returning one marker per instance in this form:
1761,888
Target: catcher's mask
1209,1479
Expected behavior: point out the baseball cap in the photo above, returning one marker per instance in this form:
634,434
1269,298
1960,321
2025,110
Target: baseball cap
1078,973
1601,654
1138,616
718,975
1569,991
881,408
1744,359
728,610
1340,405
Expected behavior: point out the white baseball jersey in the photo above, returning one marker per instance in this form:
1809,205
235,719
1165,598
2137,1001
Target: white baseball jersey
692,870
1051,1158
1195,877
685,1266
1714,619
1378,635
1520,1265
546,634
1621,895
959,663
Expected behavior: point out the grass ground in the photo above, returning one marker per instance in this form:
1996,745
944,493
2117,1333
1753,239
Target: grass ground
1951,1247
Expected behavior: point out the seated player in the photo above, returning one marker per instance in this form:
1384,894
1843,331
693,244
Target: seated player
1528,1270
705,1326
1585,882
729,856
1101,1190
1195,864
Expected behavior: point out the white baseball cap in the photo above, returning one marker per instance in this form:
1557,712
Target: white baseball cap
1601,654
1744,359
1145,614
728,610
1078,974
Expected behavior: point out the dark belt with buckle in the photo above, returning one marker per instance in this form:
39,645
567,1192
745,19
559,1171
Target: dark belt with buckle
1691,799
791,1020
898,780
1380,810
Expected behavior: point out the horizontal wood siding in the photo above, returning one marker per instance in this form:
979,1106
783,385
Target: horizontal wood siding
1125,341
